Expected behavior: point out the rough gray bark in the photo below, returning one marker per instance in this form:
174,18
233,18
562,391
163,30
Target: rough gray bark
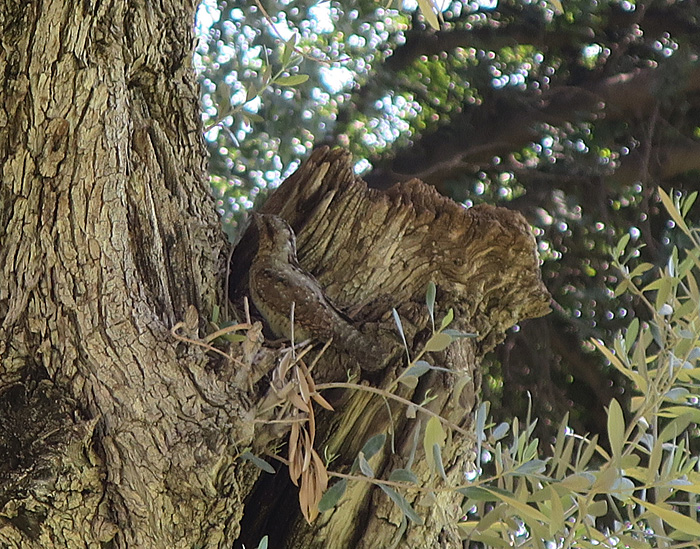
110,432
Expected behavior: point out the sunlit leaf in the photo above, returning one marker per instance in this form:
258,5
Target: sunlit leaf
621,288
629,461
492,521
476,493
427,8
490,540
293,80
500,431
534,466
434,434
430,301
223,97
677,394
332,496
526,510
556,6
438,342
616,427
559,444
565,459
672,211
599,508
676,411
437,459
632,332
639,380
688,203
399,325
588,452
409,381
402,504
557,517
289,47
677,426
427,499
403,475
447,320
678,521
641,269
622,244
365,467
373,445
579,482
606,479
458,334
418,369
622,488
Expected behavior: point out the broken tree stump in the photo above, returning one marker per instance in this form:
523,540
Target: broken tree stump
371,252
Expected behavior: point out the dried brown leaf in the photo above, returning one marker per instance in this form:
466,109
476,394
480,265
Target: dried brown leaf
314,483
303,385
307,375
322,472
296,400
293,448
306,499
296,468
311,426
322,402
286,362
307,450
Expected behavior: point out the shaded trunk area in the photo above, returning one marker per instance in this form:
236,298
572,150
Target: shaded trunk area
109,432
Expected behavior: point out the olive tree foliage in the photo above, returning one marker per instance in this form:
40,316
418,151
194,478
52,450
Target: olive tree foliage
645,476
571,114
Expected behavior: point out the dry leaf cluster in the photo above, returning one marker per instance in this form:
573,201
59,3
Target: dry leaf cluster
292,391
295,390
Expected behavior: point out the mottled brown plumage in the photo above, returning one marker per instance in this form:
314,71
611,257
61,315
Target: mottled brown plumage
277,280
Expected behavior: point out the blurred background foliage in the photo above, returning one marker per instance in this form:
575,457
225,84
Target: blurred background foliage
571,116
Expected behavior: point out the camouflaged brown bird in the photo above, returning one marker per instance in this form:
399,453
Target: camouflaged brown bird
276,280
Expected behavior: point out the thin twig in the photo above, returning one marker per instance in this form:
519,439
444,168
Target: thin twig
381,392
198,343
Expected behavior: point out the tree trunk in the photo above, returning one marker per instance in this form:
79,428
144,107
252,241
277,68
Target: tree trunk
110,432
118,425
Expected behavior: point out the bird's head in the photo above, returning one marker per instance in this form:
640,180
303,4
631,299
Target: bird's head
275,235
